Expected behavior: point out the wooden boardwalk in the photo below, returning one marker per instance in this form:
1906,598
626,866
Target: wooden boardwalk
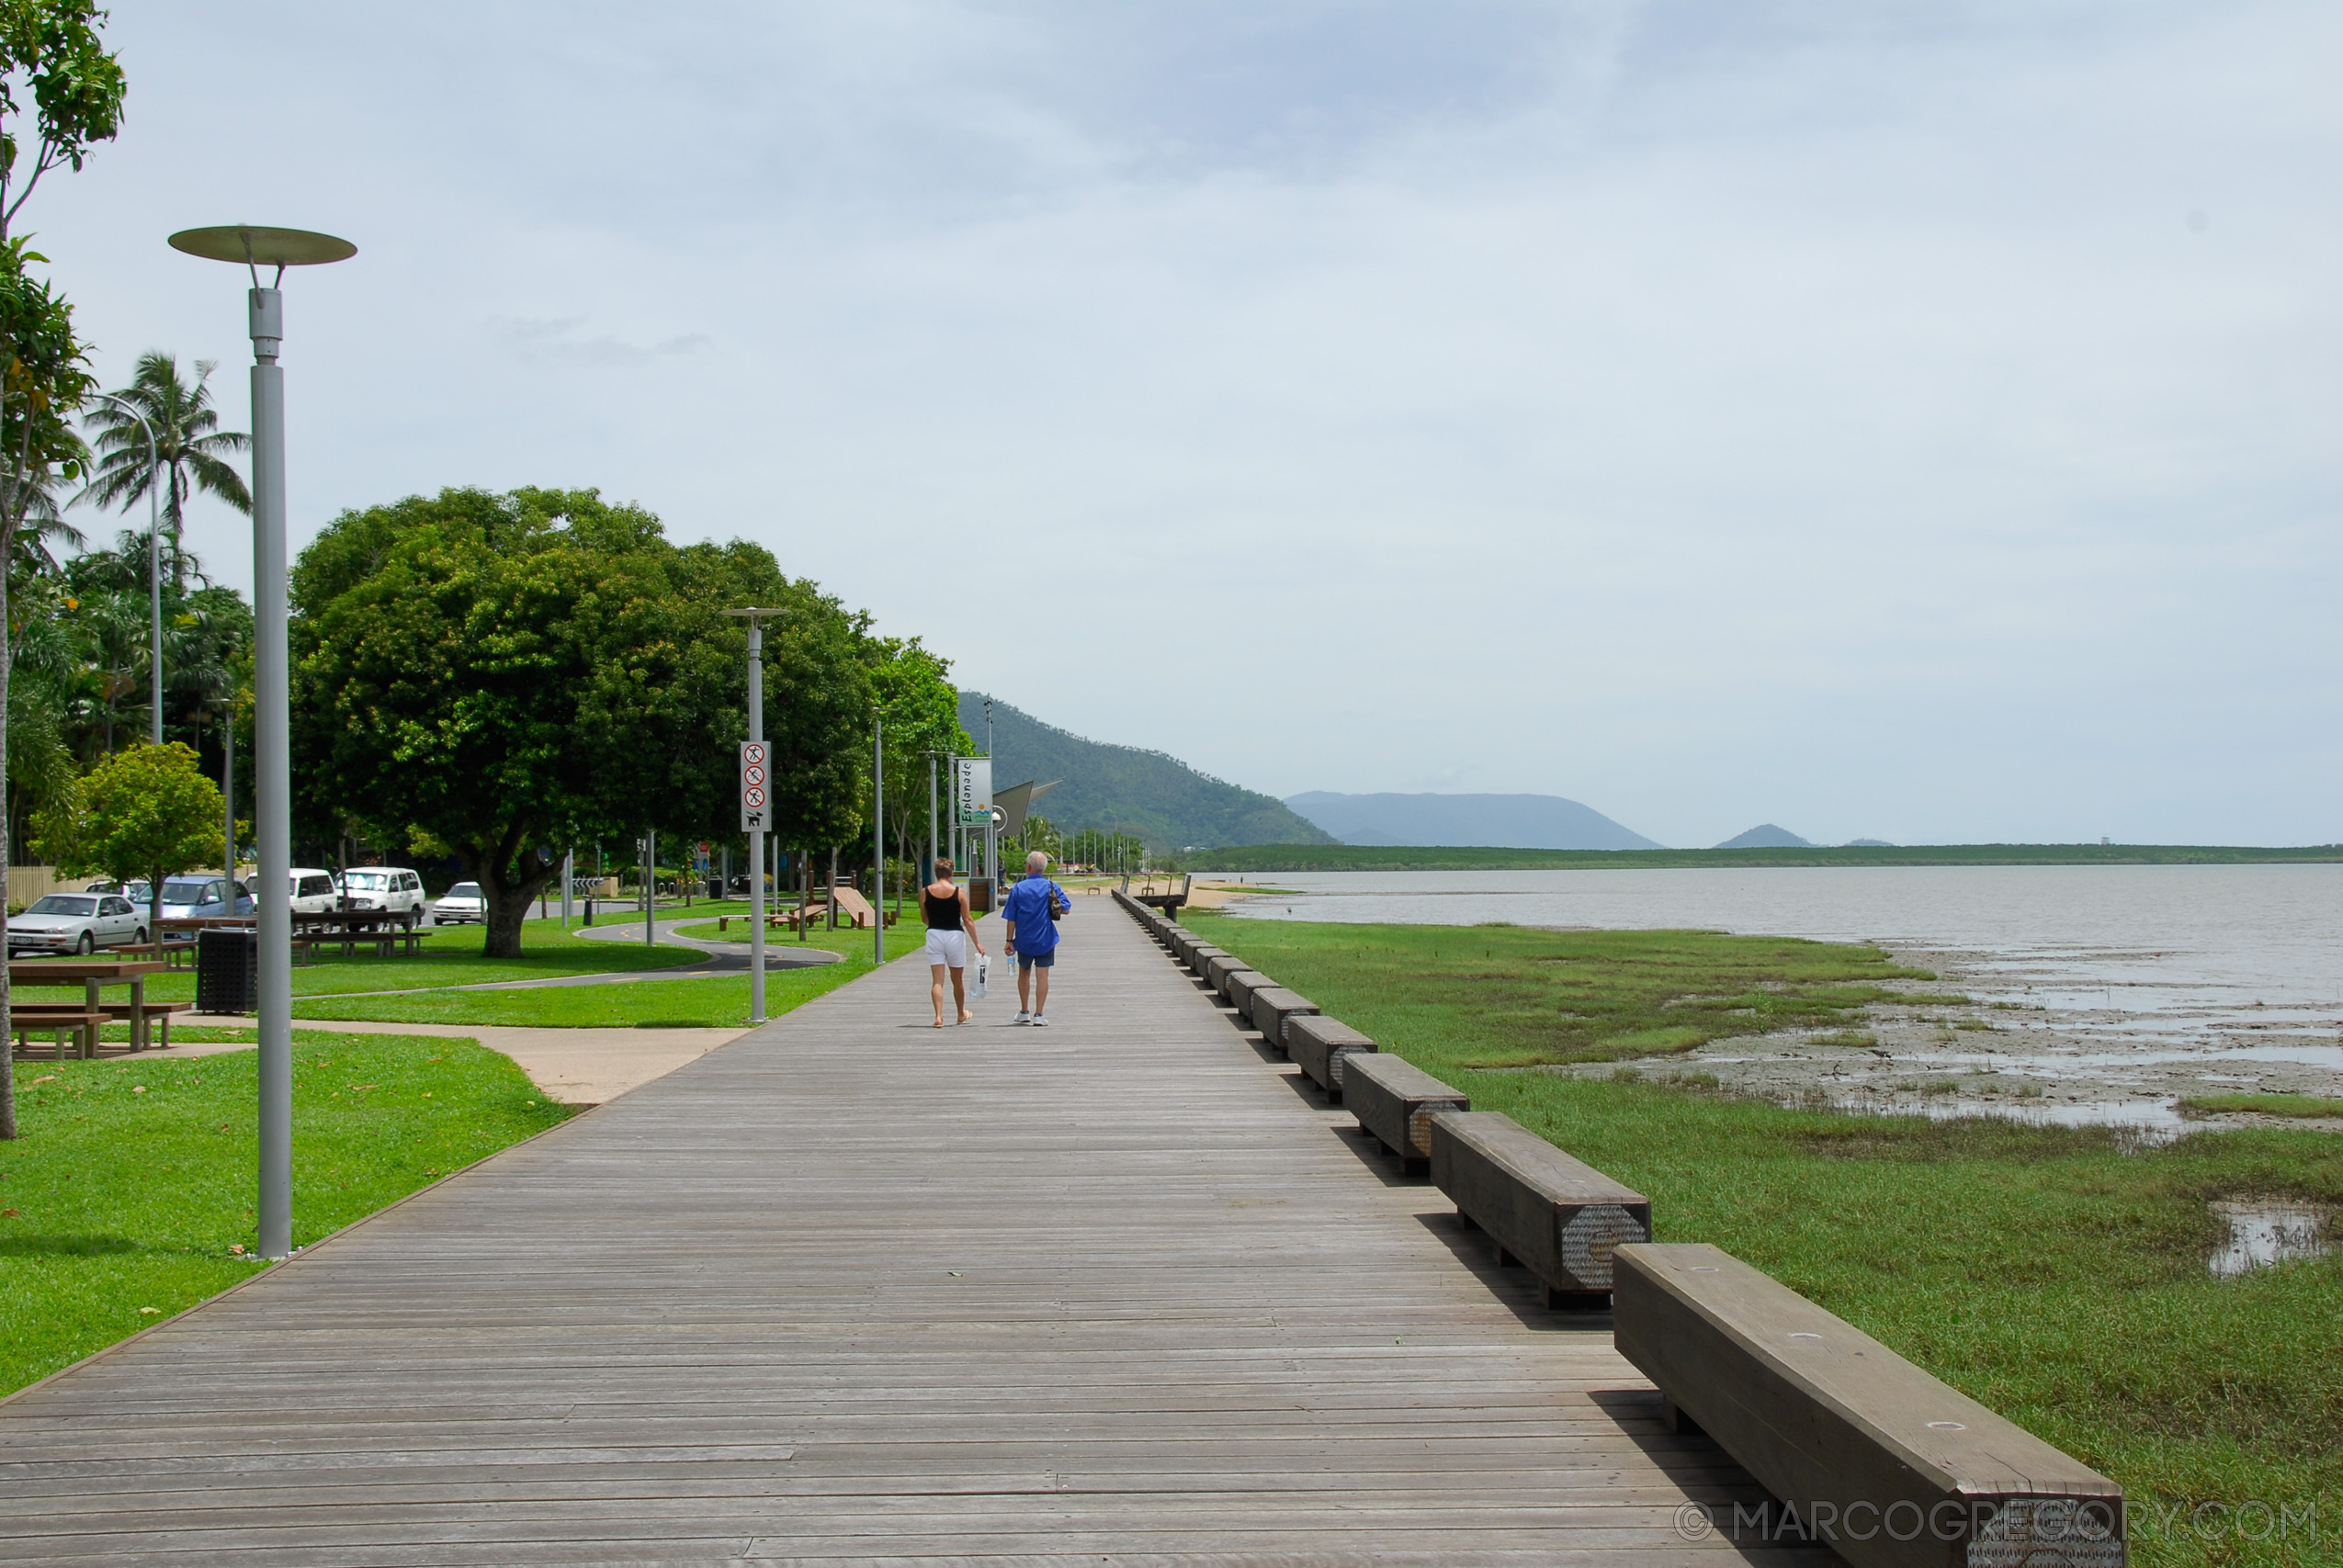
851,1290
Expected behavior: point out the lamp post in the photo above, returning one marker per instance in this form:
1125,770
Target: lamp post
254,248
754,616
153,567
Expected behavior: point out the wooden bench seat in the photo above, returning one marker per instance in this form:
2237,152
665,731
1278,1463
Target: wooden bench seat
1272,1006
1317,1045
1884,1464
1200,954
58,1019
1218,967
1556,1216
1394,1101
156,1016
1238,986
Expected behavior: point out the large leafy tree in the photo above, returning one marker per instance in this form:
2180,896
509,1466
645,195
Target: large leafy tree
61,90
511,673
922,717
147,812
188,444
817,718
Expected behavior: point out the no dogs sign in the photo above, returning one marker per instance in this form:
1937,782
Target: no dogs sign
756,788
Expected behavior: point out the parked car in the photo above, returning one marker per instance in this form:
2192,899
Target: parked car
313,891
75,922
203,898
461,904
390,887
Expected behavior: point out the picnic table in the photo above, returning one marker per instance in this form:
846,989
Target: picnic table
350,927
92,975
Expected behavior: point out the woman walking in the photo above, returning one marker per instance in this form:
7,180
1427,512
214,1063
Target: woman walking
950,934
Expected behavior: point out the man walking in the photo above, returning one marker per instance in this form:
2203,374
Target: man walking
1031,913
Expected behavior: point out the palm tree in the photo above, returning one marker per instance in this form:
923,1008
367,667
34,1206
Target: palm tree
187,443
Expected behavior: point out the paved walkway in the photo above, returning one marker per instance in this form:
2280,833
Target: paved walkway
851,1290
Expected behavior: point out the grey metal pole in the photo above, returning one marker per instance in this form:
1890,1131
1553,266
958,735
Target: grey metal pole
756,837
272,777
649,886
569,883
930,816
877,841
227,786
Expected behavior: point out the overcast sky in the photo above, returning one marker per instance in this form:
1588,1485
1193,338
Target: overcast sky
1916,421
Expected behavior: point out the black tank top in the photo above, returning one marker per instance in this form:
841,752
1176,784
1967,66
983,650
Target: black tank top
942,914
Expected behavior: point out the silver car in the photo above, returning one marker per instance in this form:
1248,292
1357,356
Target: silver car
75,922
203,898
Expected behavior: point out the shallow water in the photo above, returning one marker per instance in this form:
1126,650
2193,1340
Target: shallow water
2111,981
2261,1233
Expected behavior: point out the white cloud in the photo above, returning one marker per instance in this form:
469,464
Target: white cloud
1711,414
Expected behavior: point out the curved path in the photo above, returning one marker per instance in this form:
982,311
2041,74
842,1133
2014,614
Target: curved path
722,958
853,1290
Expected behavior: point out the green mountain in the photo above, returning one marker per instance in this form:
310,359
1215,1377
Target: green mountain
1123,789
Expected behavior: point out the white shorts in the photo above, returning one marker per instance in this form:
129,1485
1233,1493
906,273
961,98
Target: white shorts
949,948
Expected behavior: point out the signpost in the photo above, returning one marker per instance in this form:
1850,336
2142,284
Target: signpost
757,790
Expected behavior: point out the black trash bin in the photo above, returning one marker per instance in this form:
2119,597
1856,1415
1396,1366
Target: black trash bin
227,971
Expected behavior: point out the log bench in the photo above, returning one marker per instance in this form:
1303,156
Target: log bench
1395,1101
1200,954
1555,1216
1272,1006
1317,1045
1238,986
1218,967
1882,1462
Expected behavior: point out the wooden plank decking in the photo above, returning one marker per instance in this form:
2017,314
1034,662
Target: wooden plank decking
851,1290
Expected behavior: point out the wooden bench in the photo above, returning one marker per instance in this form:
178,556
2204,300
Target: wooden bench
1196,954
1395,1101
60,1020
1218,967
1317,1045
857,908
1557,1217
1239,987
1271,1007
151,1014
796,919
1884,1463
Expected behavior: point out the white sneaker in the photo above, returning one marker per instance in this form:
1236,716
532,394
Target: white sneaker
1023,1017
1038,1020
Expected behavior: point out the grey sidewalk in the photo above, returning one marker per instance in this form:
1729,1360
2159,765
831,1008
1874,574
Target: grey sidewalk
851,1289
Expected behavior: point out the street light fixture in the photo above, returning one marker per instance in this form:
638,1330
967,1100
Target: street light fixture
253,248
754,615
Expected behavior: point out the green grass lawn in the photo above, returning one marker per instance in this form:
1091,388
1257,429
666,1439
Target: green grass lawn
2058,1275
1543,996
133,1181
2288,1105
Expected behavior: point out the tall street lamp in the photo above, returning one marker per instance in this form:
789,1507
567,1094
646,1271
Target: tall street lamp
253,248
753,821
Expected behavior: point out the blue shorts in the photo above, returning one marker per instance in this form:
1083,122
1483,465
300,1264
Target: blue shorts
1037,959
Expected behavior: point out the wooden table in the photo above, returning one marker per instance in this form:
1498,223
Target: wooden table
92,975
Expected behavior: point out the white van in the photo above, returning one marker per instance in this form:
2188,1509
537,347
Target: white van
391,887
313,891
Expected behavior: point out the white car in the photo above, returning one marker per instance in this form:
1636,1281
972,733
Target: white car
391,887
463,904
75,922
313,891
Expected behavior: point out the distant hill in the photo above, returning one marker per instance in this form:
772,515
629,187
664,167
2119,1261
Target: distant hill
1259,859
1514,822
1127,790
1766,836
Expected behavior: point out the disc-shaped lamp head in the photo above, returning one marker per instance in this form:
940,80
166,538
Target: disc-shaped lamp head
249,245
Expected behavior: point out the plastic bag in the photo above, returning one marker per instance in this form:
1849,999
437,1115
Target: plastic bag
983,965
